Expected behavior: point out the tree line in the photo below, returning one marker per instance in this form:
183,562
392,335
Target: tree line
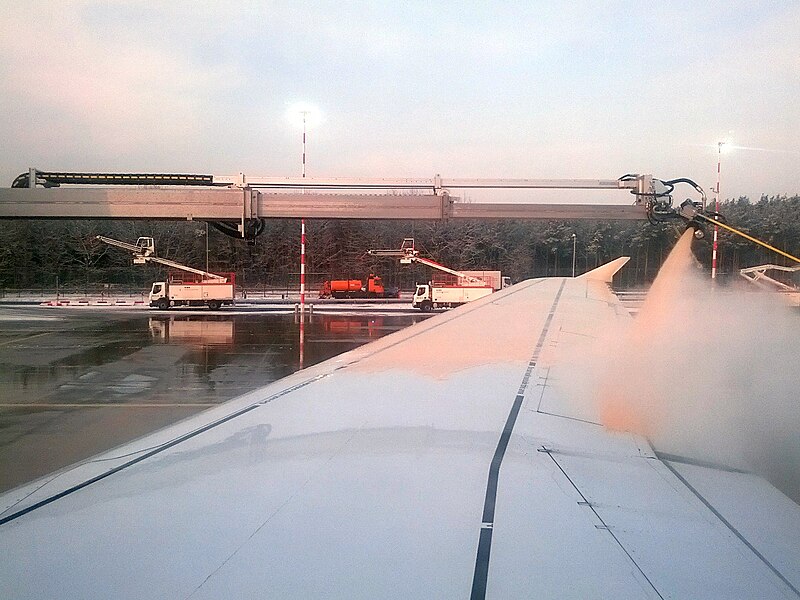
46,253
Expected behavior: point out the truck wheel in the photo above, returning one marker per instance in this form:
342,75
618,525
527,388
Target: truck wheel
426,306
214,304
163,304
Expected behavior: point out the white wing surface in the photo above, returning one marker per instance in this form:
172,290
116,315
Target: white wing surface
457,458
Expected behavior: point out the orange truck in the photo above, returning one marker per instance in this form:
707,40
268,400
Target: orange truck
355,288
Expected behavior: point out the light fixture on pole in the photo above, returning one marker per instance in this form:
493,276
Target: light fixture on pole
304,114
574,246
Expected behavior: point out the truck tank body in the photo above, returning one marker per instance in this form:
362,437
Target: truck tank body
372,287
346,285
491,279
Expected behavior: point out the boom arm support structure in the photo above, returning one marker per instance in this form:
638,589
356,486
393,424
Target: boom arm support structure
144,251
408,254
758,274
144,247
435,265
238,205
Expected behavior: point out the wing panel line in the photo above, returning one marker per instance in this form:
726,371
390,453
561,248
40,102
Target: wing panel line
730,526
599,518
480,575
118,468
152,451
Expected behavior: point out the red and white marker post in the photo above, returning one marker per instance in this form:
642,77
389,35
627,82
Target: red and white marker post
303,258
716,209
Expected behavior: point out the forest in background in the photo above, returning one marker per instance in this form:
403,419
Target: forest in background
43,254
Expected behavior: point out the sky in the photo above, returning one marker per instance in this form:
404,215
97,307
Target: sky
406,89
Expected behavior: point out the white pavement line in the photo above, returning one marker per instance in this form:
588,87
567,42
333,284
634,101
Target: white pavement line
27,337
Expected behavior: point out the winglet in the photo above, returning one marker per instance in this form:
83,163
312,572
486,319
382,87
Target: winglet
606,272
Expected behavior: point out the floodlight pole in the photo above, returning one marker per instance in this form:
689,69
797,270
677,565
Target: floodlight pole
303,257
716,209
303,229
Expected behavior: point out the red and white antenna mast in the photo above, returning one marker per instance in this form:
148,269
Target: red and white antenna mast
303,256
303,228
716,209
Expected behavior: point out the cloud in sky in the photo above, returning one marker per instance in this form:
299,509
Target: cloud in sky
414,89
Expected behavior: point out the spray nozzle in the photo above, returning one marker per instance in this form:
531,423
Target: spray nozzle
699,232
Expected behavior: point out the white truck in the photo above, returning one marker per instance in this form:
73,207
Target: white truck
180,290
429,296
185,286
446,291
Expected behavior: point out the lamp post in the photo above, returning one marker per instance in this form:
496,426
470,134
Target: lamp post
574,246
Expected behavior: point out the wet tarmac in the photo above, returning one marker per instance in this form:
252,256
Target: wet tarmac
77,382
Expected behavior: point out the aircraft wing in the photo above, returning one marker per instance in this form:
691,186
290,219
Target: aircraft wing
456,458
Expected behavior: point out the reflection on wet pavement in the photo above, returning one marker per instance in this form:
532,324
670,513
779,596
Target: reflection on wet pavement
76,385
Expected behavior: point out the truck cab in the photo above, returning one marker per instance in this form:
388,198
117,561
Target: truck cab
159,295
422,298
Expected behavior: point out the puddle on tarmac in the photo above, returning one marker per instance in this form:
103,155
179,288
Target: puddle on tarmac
213,357
73,387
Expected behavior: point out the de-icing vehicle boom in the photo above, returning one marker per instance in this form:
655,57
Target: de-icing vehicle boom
201,288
